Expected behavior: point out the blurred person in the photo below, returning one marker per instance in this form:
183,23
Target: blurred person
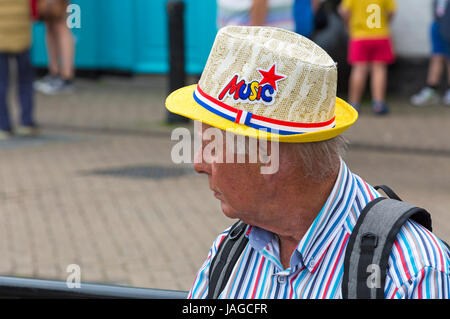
60,48
274,13
15,43
440,59
297,222
304,15
370,48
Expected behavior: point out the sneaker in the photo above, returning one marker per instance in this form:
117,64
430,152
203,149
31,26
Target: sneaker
27,131
5,135
57,86
446,98
44,82
380,108
426,96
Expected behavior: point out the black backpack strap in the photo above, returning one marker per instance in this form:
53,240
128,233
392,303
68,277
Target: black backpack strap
370,245
422,219
388,191
226,257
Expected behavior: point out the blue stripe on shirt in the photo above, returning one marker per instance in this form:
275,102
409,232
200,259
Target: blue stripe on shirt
425,259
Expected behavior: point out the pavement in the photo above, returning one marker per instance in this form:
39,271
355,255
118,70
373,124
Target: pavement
98,188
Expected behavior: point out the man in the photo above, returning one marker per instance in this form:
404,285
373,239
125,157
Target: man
273,85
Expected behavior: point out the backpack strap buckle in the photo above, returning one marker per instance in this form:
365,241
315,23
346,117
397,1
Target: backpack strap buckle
369,241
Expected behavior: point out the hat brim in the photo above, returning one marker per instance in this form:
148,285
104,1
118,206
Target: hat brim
182,102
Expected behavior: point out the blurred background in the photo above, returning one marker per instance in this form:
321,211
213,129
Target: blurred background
97,187
133,37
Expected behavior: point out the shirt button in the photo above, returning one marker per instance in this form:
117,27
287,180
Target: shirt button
281,279
312,263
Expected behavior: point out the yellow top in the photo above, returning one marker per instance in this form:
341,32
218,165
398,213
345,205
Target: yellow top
15,25
369,18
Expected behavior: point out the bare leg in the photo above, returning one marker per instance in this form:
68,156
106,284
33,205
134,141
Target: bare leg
66,49
378,81
429,95
448,72
447,93
435,70
358,78
52,48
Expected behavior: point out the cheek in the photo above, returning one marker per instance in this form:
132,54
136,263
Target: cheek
234,182
223,178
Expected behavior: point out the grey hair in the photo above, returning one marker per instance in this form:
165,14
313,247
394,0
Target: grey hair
321,159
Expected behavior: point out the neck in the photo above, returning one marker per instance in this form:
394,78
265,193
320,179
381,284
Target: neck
293,211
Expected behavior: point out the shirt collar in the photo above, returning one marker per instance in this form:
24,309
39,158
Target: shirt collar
329,221
324,228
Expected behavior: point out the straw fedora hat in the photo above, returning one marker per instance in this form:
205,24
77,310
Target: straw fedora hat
269,83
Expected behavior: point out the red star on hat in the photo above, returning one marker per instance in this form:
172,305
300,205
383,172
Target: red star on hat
270,77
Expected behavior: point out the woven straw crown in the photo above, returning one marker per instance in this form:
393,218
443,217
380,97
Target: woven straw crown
267,83
305,82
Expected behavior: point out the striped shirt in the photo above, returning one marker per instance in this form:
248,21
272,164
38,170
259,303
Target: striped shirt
418,264
237,12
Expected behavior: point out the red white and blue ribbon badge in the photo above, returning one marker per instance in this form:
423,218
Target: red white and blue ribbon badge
256,121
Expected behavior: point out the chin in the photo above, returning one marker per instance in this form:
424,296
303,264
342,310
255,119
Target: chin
228,211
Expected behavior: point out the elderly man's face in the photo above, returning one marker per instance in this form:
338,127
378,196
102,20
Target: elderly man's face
240,187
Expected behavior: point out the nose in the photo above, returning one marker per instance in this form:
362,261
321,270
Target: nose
200,165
